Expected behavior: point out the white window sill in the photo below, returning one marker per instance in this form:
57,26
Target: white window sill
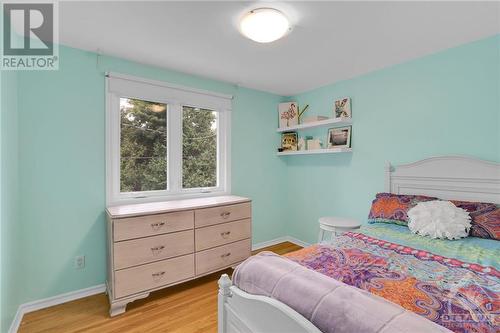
168,197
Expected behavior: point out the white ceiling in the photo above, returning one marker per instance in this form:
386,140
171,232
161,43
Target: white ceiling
330,41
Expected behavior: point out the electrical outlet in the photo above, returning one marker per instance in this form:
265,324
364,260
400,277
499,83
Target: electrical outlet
79,262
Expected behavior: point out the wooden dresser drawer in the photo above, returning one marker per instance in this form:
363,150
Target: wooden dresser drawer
221,234
145,277
210,216
143,250
154,245
222,256
150,225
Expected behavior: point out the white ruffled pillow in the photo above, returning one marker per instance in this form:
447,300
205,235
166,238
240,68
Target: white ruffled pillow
439,219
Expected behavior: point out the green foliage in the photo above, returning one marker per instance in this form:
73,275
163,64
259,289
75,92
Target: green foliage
199,147
143,162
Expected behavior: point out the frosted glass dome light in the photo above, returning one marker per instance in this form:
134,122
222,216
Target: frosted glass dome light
264,25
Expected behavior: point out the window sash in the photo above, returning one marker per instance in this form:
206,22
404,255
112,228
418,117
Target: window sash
124,86
139,193
218,152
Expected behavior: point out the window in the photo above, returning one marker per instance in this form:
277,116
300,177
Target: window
143,145
164,142
199,147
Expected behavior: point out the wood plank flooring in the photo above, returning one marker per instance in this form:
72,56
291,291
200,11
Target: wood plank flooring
188,307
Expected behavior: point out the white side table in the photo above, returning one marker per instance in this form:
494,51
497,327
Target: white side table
336,225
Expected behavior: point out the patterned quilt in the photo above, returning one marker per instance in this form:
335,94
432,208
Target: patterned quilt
461,296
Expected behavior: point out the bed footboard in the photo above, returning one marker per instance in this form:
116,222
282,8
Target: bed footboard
241,312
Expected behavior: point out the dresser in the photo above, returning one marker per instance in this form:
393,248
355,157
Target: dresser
156,245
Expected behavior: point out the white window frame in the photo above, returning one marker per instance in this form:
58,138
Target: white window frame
175,97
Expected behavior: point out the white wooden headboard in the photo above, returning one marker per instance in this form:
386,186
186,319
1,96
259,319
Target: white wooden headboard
446,177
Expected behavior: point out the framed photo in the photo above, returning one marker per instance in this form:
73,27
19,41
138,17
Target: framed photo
342,108
288,114
339,137
289,141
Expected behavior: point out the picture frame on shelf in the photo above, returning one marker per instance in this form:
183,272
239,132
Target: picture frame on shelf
342,108
339,137
289,141
288,114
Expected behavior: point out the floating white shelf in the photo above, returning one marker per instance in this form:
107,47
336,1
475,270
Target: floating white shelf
333,122
316,151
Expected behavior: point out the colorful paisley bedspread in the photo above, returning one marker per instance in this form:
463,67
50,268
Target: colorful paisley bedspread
459,295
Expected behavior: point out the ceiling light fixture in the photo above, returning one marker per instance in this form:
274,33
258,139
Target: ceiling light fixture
264,25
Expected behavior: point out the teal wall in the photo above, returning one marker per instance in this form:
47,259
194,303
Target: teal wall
9,218
443,104
62,166
52,148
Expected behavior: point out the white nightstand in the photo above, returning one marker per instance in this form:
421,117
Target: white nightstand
336,225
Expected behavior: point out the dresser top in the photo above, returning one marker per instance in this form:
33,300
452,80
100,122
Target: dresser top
122,211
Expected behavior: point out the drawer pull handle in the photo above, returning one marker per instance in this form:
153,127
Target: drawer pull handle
158,275
225,234
157,249
225,215
225,255
157,226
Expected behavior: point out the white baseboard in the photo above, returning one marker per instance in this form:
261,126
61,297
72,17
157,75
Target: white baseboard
51,301
258,246
278,240
297,241
74,295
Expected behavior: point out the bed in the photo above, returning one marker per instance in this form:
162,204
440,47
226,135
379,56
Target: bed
385,278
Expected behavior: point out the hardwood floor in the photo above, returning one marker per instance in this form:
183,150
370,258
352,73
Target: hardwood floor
189,307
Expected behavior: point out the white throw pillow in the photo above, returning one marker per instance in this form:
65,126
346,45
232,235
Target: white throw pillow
439,219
